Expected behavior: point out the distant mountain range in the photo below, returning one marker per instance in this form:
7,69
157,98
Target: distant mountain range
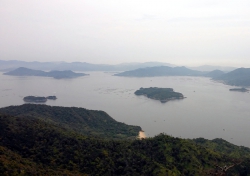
209,68
55,74
134,65
214,73
83,66
76,66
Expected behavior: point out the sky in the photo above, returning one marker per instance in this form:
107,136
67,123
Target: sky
180,32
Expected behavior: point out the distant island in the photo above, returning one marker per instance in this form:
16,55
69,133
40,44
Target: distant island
51,97
239,89
160,71
237,77
169,71
162,94
22,71
34,99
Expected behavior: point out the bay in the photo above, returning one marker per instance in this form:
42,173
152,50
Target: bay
210,109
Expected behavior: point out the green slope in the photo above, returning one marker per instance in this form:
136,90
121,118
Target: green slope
44,140
222,146
49,149
87,122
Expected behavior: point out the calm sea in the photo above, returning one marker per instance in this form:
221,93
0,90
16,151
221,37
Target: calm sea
210,109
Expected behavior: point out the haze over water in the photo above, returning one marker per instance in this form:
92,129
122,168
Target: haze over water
210,109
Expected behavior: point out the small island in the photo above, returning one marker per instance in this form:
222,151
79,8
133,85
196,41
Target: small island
162,94
34,99
239,89
51,97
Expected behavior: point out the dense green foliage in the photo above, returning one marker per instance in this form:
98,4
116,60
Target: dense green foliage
162,94
13,164
22,71
222,146
34,142
83,121
30,146
238,77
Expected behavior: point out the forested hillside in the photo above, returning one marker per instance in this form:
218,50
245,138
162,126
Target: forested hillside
30,145
83,121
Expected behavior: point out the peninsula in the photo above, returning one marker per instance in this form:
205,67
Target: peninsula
162,94
22,71
34,99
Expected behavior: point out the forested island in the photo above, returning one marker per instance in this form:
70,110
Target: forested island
34,99
22,71
162,94
239,89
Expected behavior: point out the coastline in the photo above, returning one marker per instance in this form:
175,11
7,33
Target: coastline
141,135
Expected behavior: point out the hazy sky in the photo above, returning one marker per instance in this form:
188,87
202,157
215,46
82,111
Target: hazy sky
182,32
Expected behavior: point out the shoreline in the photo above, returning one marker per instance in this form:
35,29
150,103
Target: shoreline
141,135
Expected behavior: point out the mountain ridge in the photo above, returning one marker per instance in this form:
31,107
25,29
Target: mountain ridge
237,77
160,71
22,71
209,68
86,122
75,66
